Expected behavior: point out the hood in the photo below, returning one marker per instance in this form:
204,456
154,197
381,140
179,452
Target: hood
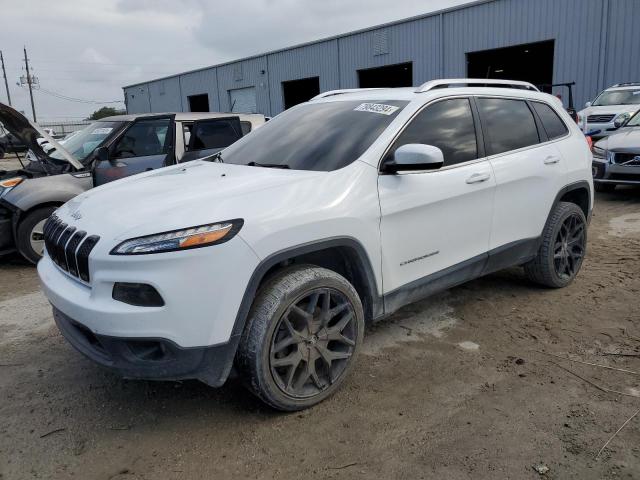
181,196
608,109
627,139
29,133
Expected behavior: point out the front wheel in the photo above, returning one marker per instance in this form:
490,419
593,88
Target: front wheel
302,336
564,243
30,234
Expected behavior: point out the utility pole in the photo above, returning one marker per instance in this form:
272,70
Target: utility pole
29,81
4,73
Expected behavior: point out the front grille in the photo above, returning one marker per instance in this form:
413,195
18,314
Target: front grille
600,118
628,159
67,248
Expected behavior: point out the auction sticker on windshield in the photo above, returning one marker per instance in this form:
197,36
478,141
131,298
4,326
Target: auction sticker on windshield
102,131
376,108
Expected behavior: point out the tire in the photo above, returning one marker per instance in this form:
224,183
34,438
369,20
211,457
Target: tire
29,226
563,247
292,360
604,187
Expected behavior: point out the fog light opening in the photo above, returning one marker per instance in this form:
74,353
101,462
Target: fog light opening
137,294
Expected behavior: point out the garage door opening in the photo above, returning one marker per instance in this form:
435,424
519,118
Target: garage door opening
299,91
390,76
198,103
530,62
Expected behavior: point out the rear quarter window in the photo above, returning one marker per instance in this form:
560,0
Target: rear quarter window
552,123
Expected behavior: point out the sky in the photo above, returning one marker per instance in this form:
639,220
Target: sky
87,50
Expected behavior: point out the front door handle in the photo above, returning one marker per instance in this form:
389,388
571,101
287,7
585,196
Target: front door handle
551,159
478,178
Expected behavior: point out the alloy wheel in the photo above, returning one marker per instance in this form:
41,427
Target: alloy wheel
313,343
569,247
36,239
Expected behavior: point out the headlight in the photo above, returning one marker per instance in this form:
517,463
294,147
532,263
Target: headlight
599,152
8,184
192,237
622,119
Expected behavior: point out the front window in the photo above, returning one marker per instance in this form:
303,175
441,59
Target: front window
316,136
618,97
83,143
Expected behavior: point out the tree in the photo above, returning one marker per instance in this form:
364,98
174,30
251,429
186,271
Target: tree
105,112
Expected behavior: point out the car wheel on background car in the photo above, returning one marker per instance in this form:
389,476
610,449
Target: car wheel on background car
302,336
30,237
564,242
604,187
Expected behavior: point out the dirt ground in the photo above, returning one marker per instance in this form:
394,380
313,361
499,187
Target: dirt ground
449,388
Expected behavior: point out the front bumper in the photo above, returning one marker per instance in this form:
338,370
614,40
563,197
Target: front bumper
150,358
602,129
605,172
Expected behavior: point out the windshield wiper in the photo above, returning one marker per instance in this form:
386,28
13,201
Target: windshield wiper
268,165
216,157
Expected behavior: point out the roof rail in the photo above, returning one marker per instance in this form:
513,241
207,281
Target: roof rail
475,82
331,93
627,84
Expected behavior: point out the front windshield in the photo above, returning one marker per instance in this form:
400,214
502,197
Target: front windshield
315,136
618,97
634,121
83,143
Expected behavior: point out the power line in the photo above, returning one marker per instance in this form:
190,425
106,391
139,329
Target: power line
74,99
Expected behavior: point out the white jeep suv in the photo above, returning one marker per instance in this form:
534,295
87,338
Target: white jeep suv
272,256
610,110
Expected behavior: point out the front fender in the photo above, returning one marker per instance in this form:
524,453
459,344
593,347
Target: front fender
46,190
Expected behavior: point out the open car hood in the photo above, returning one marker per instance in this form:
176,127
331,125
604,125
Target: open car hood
17,124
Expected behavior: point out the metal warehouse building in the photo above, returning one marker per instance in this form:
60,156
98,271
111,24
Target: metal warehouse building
591,42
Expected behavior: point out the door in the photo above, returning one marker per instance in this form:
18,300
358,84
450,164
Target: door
528,167
243,100
145,145
206,137
437,220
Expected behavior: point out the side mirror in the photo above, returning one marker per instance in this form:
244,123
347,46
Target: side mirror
587,105
102,154
414,156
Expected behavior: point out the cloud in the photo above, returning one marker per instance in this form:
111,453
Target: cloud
90,50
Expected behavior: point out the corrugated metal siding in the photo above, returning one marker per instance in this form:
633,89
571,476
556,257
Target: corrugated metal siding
623,43
137,99
416,41
318,60
573,24
197,83
595,46
246,73
165,95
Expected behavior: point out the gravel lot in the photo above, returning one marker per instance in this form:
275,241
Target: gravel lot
452,387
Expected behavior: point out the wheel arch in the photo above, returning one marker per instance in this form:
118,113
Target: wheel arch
344,255
578,193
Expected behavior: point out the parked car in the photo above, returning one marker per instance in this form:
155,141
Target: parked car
612,108
106,150
616,158
274,254
9,142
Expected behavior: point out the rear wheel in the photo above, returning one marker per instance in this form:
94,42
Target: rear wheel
564,243
30,234
303,334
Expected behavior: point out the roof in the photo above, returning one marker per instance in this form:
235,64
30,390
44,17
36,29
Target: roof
436,13
184,116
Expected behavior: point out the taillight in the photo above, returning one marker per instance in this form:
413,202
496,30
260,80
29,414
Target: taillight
589,142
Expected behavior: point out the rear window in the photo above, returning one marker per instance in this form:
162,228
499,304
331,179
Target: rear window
212,134
552,123
508,124
316,136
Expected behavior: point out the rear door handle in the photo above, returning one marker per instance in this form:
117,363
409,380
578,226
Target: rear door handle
551,159
478,178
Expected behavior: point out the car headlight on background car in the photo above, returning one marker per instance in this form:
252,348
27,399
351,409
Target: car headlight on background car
8,184
184,239
622,119
599,153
